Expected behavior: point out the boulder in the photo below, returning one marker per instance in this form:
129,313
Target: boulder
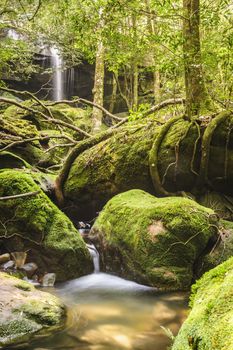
221,251
33,224
25,310
121,162
210,323
116,165
152,240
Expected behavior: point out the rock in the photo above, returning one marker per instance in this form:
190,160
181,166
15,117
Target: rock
155,241
222,250
25,310
30,269
121,163
115,165
4,258
9,265
19,258
209,324
42,229
48,280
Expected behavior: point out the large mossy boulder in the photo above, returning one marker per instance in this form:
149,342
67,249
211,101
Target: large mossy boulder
115,165
121,163
152,240
34,224
25,310
210,323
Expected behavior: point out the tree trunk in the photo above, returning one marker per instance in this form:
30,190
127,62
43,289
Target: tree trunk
135,86
98,90
196,95
114,92
156,74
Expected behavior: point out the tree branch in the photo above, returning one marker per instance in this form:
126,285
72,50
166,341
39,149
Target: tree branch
28,194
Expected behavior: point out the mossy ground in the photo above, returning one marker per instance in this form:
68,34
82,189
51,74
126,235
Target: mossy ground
37,225
210,323
154,240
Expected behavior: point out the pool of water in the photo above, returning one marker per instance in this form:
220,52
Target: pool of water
110,313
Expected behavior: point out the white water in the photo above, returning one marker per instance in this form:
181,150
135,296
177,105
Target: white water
13,34
58,81
95,257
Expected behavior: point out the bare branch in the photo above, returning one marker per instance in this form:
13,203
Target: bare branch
28,194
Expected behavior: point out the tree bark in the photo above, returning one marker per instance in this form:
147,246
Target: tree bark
196,95
98,90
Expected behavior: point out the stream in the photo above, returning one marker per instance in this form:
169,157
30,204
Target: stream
106,312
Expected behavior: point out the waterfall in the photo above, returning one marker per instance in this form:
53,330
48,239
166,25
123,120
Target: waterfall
58,81
12,34
95,257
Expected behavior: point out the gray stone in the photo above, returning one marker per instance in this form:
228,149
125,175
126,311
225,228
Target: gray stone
29,269
8,265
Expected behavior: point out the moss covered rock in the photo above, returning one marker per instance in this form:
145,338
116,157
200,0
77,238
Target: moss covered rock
36,225
221,251
210,323
25,310
113,166
154,241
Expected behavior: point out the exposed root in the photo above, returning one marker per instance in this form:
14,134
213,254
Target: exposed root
74,153
153,158
206,142
195,148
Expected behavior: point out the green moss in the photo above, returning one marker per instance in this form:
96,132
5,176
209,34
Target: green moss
222,250
115,165
42,312
158,240
210,323
40,227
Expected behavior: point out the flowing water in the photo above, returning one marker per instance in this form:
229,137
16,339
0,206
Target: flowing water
58,79
109,313
106,312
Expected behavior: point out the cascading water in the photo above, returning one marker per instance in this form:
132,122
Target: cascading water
58,81
95,256
12,34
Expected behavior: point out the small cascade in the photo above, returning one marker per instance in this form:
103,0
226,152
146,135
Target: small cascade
58,79
95,257
69,77
12,34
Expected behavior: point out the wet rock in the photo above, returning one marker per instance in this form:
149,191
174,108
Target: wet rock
48,280
25,310
4,258
29,269
9,265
